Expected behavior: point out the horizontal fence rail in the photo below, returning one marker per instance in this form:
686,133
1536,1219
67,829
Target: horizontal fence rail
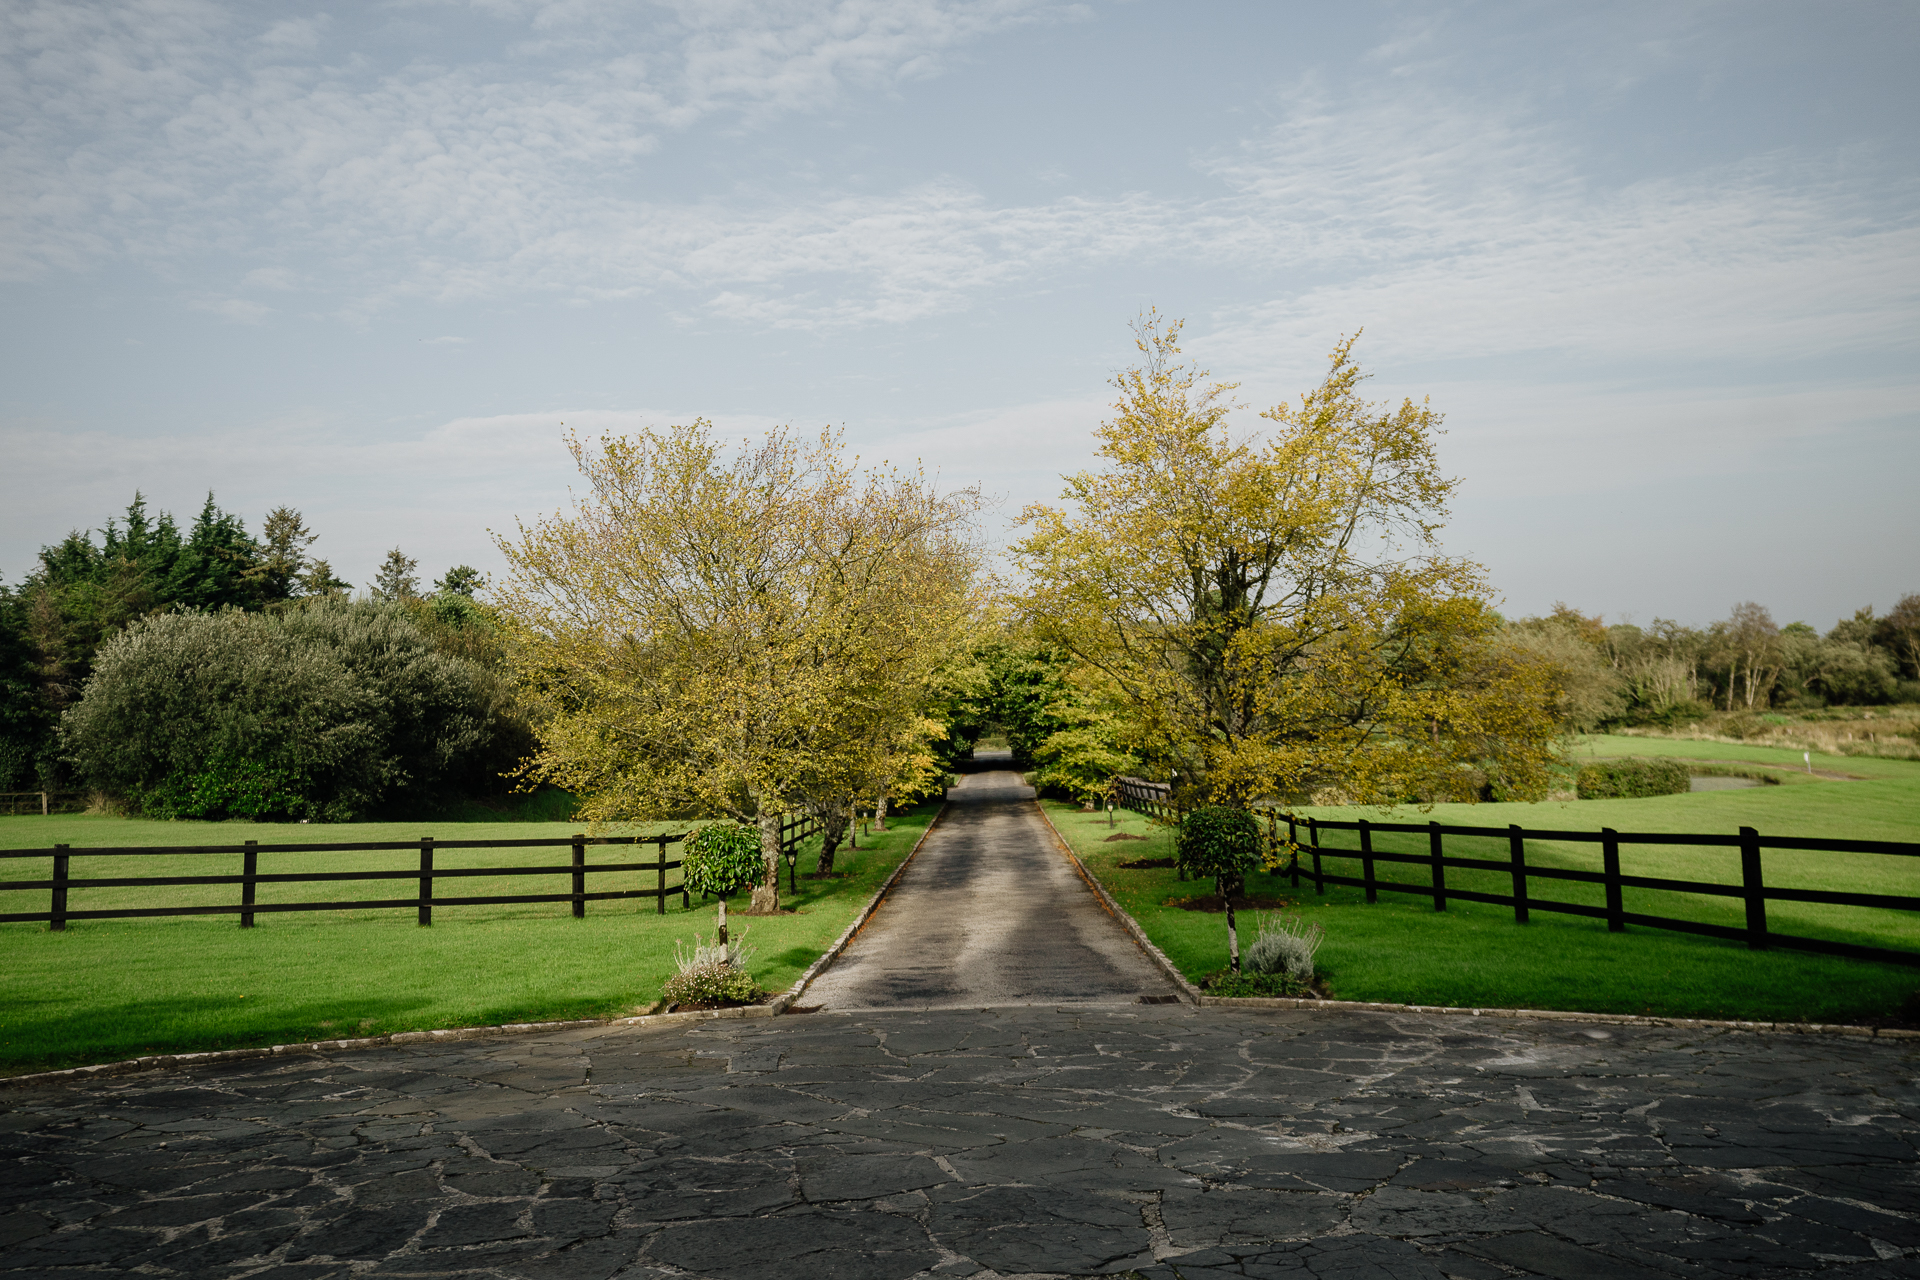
13,803
1306,838
424,876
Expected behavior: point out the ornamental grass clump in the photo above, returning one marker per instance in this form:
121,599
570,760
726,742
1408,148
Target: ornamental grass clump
1286,946
712,973
1279,961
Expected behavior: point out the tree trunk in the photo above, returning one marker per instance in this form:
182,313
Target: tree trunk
880,813
1233,931
766,894
834,820
720,933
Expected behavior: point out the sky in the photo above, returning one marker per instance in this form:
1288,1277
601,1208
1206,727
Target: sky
1657,264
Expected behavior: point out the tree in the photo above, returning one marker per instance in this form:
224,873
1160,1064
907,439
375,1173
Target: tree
1221,844
461,580
715,632
1275,612
395,579
319,580
721,858
1587,690
1747,648
283,560
1899,634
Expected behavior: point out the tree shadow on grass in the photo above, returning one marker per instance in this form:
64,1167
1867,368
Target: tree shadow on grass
795,958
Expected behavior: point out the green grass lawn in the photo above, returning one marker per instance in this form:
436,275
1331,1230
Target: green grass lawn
112,989
1401,950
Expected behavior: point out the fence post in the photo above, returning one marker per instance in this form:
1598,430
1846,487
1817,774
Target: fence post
660,870
58,915
249,868
1293,840
1610,866
43,804
580,876
1756,889
1437,857
1366,860
1319,885
426,880
1517,848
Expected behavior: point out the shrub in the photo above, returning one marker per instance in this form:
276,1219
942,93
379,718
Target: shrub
713,984
1228,983
321,712
722,858
1631,779
1286,947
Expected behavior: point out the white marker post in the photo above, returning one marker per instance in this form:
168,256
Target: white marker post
1808,757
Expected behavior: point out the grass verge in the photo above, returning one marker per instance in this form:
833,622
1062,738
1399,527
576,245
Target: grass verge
1401,950
114,989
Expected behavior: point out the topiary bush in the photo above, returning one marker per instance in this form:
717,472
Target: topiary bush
1631,779
722,858
1221,844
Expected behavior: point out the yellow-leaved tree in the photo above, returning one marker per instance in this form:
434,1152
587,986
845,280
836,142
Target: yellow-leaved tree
716,630
1274,608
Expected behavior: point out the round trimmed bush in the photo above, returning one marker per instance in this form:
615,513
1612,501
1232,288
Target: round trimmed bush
722,858
1219,843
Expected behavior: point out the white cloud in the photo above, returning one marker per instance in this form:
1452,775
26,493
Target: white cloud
1447,225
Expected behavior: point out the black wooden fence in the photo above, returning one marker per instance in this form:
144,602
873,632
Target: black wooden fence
1155,799
426,877
1286,852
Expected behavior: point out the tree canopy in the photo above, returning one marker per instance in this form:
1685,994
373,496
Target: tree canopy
730,631
1275,609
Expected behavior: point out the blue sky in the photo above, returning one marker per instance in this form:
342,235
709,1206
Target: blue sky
1658,265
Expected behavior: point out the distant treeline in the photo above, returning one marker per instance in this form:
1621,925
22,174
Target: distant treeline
1665,673
210,673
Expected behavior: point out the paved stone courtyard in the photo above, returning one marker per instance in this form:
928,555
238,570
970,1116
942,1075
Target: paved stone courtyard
1163,1139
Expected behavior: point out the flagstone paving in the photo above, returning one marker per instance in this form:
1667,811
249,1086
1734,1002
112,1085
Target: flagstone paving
1169,1140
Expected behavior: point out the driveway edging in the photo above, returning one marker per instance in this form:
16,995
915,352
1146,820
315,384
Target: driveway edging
1278,1003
